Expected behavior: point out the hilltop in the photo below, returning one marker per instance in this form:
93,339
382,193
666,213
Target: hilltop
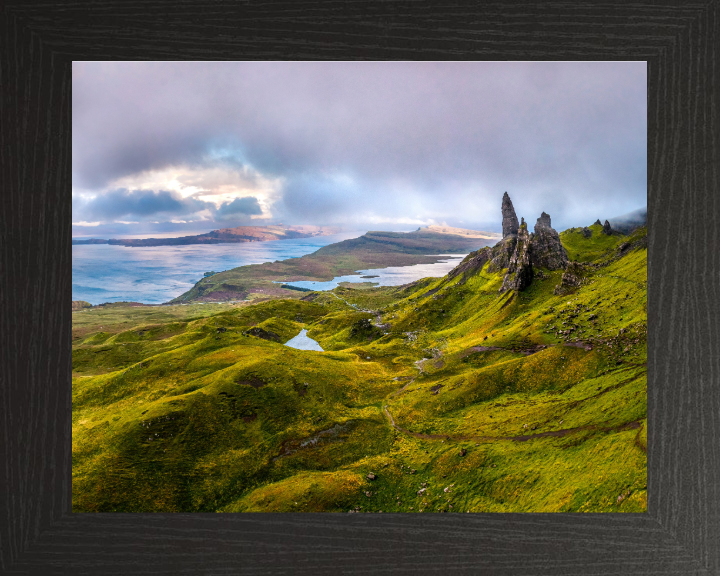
223,236
516,383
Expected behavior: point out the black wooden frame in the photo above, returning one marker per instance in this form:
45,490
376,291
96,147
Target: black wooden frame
680,534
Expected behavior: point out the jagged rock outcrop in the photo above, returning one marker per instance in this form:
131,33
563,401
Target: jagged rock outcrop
597,222
607,229
518,252
261,333
547,250
586,232
543,221
510,222
571,279
520,270
501,253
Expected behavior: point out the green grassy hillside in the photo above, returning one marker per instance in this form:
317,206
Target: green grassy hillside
439,396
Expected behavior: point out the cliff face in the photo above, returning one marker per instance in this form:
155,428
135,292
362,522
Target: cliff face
520,271
502,253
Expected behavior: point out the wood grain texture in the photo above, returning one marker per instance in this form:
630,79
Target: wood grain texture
681,532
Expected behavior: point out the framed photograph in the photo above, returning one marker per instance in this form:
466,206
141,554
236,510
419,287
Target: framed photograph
507,388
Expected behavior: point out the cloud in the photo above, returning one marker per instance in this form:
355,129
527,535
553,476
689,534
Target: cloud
246,206
366,141
118,203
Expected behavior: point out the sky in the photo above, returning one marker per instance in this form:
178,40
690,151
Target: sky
175,148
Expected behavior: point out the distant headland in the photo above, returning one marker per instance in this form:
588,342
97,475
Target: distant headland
222,236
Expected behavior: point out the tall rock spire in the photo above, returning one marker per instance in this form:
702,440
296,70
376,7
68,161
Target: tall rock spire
510,223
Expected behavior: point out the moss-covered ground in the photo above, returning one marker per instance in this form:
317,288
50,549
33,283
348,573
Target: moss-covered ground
451,396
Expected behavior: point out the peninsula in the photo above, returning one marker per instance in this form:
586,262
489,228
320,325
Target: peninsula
223,236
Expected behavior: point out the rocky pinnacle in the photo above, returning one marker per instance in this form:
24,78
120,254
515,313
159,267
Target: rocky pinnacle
510,223
543,221
547,249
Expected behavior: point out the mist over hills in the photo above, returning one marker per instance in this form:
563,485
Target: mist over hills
626,223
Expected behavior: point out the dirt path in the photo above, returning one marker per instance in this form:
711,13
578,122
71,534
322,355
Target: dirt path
346,302
378,317
627,426
400,390
354,305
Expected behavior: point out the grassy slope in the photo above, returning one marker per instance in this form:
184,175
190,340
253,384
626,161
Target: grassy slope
194,415
372,250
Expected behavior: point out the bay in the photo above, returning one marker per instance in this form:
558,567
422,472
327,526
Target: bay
156,274
390,276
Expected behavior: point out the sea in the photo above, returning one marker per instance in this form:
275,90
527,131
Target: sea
157,274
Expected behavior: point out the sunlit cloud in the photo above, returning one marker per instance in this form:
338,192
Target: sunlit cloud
205,193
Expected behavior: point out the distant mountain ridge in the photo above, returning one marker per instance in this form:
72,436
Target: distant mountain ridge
223,236
460,232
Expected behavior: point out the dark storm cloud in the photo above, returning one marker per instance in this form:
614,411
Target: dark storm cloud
248,205
121,203
397,140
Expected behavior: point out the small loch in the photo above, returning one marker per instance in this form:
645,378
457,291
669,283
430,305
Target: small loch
303,342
